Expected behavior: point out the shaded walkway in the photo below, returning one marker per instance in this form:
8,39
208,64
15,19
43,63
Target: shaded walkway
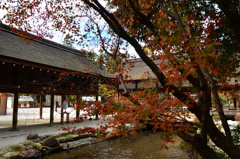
30,116
29,122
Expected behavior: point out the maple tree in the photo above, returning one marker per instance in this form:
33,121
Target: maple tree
196,41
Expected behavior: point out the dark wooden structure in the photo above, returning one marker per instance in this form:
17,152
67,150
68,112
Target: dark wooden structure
32,65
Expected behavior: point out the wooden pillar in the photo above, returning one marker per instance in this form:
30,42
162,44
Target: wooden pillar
118,93
67,120
62,115
118,97
3,103
15,111
96,117
235,103
77,106
41,106
136,86
51,109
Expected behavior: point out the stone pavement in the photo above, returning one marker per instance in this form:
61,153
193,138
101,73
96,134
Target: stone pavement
29,122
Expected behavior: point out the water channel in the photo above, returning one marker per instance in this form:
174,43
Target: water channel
144,145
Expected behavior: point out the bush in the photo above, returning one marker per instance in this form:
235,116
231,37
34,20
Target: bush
236,135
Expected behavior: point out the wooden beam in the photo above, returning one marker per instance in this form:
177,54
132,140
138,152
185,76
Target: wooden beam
46,67
37,90
30,64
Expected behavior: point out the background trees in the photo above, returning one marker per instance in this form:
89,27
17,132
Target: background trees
197,41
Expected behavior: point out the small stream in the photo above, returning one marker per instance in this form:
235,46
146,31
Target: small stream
144,145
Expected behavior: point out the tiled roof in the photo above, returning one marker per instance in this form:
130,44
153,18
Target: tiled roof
45,52
138,70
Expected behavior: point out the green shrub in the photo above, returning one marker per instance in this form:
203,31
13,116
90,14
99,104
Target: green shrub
235,131
236,135
219,152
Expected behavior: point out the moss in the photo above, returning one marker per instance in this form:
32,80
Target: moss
216,118
16,148
1,155
38,146
66,136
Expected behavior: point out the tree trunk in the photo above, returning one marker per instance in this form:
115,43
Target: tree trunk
221,140
194,141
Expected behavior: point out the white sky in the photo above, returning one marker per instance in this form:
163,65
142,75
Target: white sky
2,13
58,37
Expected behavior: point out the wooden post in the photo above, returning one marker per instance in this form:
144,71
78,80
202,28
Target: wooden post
118,94
237,103
52,108
3,103
62,115
67,120
15,110
79,99
96,118
136,86
41,106
6,99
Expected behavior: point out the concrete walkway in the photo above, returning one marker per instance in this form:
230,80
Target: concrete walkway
29,122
